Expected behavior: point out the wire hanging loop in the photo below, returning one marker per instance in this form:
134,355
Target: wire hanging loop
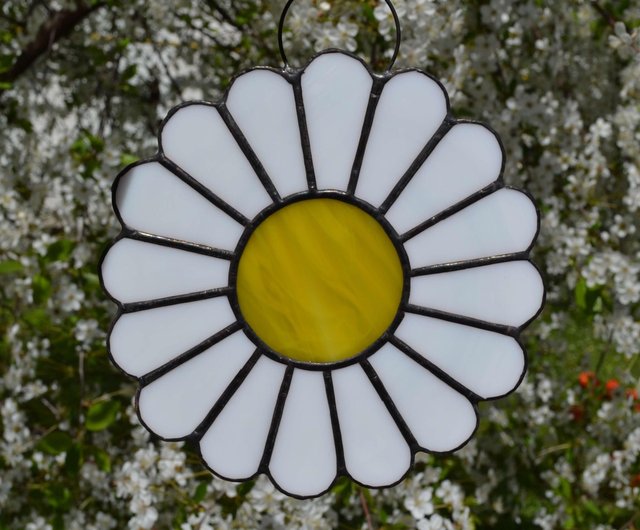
391,7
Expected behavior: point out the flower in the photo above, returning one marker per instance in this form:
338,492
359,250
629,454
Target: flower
611,386
585,378
321,275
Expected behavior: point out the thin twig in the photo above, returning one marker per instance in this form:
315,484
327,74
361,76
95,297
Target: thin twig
59,24
604,13
51,407
172,80
553,449
631,523
365,509
609,19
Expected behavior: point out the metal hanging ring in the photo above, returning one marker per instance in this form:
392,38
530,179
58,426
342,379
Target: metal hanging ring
389,3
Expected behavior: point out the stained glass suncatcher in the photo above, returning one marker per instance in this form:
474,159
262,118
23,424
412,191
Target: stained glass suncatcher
321,275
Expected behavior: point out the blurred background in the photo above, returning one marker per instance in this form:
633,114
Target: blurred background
83,87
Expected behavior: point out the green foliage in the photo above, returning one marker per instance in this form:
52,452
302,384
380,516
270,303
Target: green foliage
101,415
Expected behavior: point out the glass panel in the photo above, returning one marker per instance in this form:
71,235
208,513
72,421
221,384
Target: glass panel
263,106
174,405
336,89
466,160
504,293
234,444
485,362
375,451
411,109
440,418
303,461
504,222
134,271
197,139
143,341
152,199
319,280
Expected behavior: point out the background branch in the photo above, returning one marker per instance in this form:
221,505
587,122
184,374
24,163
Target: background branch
59,25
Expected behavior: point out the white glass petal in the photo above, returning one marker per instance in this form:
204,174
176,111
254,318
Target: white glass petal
197,139
411,109
466,160
263,105
134,271
234,444
143,341
375,452
504,222
335,89
152,199
504,293
303,461
440,418
485,362
174,405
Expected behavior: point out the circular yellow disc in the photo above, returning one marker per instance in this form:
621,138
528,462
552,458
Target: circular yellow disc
319,281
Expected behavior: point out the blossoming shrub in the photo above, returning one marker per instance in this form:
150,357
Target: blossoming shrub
84,84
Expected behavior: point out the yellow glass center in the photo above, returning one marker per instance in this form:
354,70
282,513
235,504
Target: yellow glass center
319,281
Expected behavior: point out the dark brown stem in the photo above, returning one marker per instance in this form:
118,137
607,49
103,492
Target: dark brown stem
60,24
608,17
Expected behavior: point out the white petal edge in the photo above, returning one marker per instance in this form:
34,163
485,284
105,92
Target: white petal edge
467,159
485,362
263,105
502,223
375,451
336,90
234,444
176,403
508,293
145,340
412,107
134,271
152,199
303,461
439,418
197,139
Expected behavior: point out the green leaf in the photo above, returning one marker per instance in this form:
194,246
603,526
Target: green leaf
6,62
101,415
598,305
102,458
58,522
592,508
10,267
245,487
123,43
41,289
73,460
129,72
200,492
36,318
55,442
581,294
565,488
60,250
127,159
343,487
57,496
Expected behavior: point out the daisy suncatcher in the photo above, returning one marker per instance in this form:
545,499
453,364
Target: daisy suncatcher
321,275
